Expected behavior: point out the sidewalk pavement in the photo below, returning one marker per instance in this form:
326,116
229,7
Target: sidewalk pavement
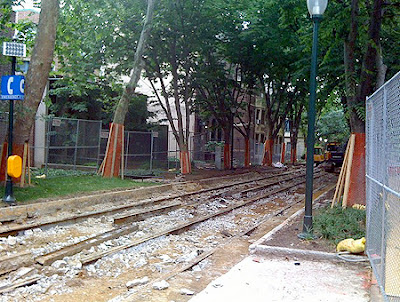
264,279
272,274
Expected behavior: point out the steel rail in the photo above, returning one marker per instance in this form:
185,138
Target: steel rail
91,258
14,229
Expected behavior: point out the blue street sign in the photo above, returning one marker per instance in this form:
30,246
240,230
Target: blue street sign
12,87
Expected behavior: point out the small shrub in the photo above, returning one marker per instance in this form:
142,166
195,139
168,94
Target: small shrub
336,224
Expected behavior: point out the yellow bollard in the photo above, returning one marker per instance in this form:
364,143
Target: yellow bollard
14,166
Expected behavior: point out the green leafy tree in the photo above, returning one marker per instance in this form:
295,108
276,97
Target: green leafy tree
93,59
180,30
332,126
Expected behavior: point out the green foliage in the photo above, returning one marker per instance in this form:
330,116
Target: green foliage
332,125
210,145
209,42
95,47
336,224
136,118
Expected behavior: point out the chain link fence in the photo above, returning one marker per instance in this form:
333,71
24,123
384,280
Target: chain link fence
210,153
76,144
383,186
144,152
72,143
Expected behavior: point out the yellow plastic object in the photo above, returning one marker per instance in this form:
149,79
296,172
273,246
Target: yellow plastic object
358,206
14,166
351,245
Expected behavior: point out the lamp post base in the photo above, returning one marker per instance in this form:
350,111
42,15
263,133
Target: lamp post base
8,193
307,233
307,236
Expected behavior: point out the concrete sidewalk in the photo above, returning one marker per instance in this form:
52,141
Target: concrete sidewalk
262,279
282,274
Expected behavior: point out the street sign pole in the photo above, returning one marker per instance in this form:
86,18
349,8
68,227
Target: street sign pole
9,192
11,92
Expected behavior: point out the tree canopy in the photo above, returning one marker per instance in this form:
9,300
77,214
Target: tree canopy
260,48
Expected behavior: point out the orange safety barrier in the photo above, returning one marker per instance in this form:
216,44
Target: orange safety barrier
186,167
293,155
357,175
227,156
268,148
247,152
112,161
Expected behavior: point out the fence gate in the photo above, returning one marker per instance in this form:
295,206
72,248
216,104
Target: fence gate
383,186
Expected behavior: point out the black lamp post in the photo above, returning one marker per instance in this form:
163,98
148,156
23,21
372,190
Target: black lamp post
8,191
14,50
232,136
316,9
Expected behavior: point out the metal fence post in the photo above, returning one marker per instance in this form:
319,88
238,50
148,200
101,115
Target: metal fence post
47,147
384,180
76,144
128,139
98,147
151,151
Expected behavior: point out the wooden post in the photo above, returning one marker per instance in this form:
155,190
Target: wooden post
341,184
114,153
29,166
102,166
24,157
341,176
348,171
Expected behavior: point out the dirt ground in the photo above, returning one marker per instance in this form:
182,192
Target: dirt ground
287,236
86,288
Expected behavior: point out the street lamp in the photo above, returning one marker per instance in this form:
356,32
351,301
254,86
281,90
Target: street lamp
316,9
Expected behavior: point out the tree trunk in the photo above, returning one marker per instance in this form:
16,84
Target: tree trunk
39,68
112,162
268,151
368,80
381,68
293,154
283,151
293,145
36,78
247,152
294,134
227,148
269,143
186,167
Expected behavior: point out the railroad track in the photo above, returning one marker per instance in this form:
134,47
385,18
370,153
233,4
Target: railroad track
125,226
13,228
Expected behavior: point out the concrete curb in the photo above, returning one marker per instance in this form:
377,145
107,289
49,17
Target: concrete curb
283,251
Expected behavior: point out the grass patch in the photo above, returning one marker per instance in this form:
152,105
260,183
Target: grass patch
69,185
336,224
51,173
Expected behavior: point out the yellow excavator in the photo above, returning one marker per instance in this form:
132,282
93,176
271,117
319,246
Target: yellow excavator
318,155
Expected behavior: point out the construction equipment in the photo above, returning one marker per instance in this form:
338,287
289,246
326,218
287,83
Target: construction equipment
318,155
334,156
